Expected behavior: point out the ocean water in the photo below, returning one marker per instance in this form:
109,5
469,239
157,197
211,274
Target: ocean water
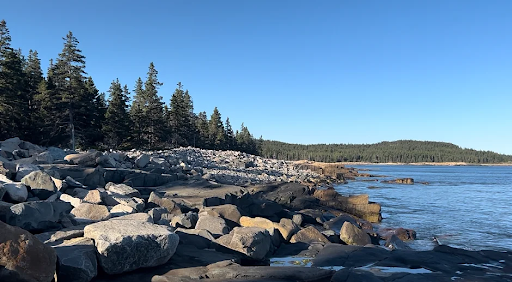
467,207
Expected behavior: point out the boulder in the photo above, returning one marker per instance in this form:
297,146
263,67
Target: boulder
142,161
352,235
156,200
77,260
93,197
87,159
201,239
215,225
73,183
44,158
106,161
11,144
233,272
57,153
336,223
409,181
53,238
395,243
126,245
112,199
309,235
40,183
38,216
254,242
402,233
121,210
122,189
86,213
298,219
230,213
285,226
15,192
156,213
141,216
23,170
186,220
94,177
4,169
23,257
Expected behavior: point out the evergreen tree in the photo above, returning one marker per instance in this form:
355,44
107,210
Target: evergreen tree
201,123
154,111
181,117
216,131
230,136
116,127
137,114
14,102
75,99
245,141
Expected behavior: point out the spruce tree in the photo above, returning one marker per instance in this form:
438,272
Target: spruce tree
245,141
137,114
116,127
181,118
216,131
34,75
201,123
230,136
154,111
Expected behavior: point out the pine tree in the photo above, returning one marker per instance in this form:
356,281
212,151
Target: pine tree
216,130
137,114
154,111
75,99
116,127
14,102
245,141
230,136
34,75
201,124
181,118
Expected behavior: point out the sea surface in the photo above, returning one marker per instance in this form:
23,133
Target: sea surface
466,207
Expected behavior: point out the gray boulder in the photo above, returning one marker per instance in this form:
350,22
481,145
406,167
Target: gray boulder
122,189
352,235
75,202
87,213
77,260
93,197
126,245
41,184
255,242
230,213
23,170
141,216
216,225
23,257
87,159
156,213
15,192
56,237
44,158
187,220
39,215
142,161
121,210
113,199
57,153
201,239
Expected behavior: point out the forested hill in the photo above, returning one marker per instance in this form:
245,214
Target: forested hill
402,151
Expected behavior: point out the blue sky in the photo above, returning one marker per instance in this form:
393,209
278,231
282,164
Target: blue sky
303,71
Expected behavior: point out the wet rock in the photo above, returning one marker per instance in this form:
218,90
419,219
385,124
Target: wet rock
269,273
254,242
394,243
352,235
87,213
402,233
409,181
39,215
23,257
215,225
77,260
309,235
126,245
354,275
15,192
41,184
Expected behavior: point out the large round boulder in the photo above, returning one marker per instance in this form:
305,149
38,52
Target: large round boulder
126,245
352,235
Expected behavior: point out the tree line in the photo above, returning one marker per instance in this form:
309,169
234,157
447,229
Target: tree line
66,109
402,151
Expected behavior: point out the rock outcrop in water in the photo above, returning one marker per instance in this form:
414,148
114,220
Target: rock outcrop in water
187,213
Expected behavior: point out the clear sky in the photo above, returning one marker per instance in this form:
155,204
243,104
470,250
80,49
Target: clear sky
303,71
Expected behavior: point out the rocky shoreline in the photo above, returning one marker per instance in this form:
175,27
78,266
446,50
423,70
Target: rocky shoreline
188,214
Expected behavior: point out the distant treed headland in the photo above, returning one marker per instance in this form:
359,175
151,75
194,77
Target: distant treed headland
52,110
403,151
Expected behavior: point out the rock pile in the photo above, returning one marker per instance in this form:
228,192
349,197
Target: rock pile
171,216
